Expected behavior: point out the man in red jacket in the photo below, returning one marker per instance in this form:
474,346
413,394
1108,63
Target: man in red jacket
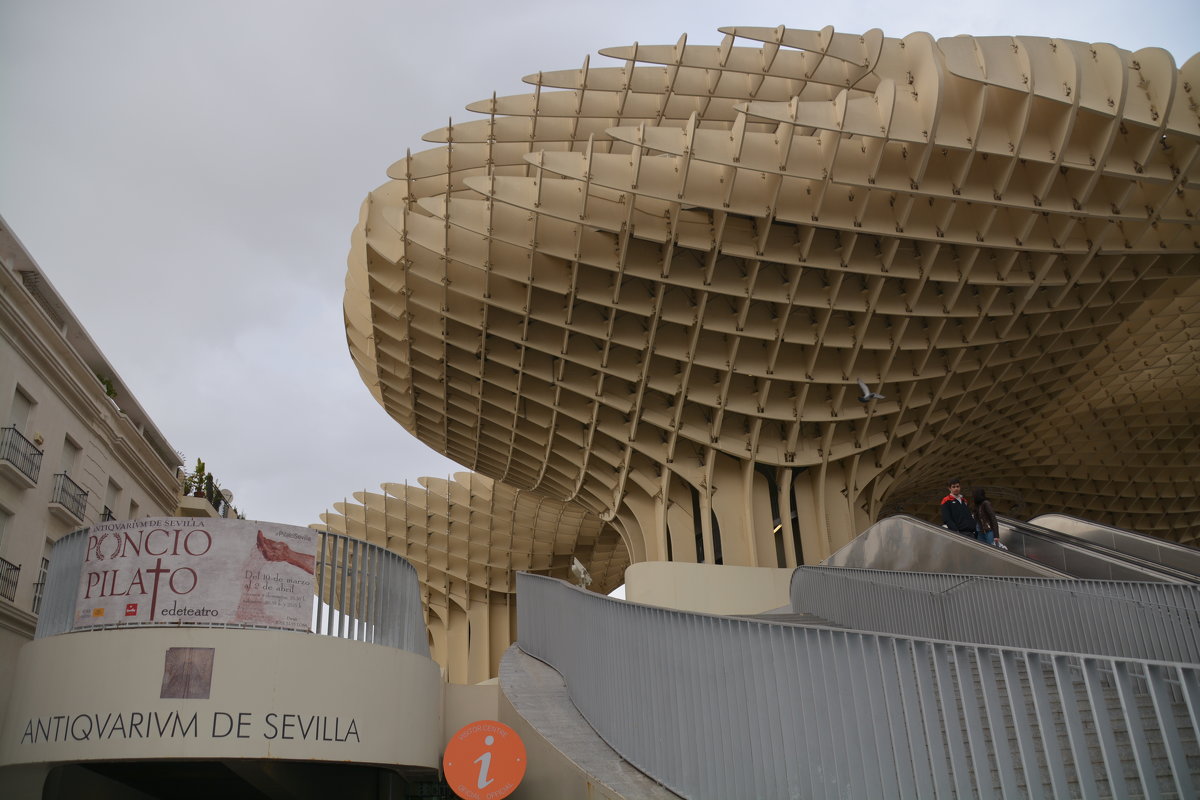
956,514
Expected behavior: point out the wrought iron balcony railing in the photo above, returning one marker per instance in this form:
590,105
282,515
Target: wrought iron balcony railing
107,515
20,452
70,495
10,574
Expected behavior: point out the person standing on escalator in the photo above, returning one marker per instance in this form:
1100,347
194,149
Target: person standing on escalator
987,527
956,514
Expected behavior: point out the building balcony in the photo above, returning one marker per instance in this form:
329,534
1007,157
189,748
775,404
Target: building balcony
69,500
107,515
20,460
211,503
10,574
190,506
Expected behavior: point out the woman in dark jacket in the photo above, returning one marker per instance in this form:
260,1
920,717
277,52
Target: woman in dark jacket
987,527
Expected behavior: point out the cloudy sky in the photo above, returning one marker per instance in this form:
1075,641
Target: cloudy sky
188,173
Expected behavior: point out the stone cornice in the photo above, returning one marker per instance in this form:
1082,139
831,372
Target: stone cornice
16,620
35,337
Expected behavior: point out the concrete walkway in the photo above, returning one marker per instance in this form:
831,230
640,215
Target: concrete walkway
538,694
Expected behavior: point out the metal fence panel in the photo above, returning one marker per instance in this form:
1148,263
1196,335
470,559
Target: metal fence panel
62,584
718,707
1155,621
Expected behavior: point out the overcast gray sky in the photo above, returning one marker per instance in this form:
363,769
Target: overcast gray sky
188,173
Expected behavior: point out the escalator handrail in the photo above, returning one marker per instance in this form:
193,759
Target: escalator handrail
1029,529
1182,551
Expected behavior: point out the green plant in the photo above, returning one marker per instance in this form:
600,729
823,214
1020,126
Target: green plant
196,482
108,385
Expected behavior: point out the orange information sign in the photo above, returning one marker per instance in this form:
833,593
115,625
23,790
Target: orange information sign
484,761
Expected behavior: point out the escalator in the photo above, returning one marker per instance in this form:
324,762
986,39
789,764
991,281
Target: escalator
1118,559
1086,550
907,544
1148,548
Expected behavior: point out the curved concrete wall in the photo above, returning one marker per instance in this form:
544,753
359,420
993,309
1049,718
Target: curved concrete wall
707,588
98,696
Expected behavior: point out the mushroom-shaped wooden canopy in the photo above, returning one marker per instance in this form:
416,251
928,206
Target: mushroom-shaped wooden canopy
467,539
653,287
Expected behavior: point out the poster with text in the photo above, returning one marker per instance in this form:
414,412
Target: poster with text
197,570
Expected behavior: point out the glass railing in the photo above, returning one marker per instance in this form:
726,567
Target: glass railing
9,575
20,452
69,494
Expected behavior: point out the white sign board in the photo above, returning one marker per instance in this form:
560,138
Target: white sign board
198,570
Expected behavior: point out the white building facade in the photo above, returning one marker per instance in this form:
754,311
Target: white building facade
75,446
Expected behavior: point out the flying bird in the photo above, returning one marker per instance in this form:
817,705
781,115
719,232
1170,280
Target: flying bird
867,395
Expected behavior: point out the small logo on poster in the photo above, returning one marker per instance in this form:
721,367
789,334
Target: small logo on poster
485,760
97,612
131,609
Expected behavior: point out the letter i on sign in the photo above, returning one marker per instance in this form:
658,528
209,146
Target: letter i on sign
485,755
485,761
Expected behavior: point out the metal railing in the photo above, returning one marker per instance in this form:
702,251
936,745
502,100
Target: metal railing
70,495
718,707
20,452
107,515
217,501
62,584
367,593
10,575
1158,621
361,592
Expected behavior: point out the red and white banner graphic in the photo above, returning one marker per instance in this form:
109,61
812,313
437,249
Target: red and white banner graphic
192,569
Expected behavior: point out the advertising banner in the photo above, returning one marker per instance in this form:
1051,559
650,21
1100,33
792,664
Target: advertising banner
197,570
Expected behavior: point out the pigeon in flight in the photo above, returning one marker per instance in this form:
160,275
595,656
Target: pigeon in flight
867,395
